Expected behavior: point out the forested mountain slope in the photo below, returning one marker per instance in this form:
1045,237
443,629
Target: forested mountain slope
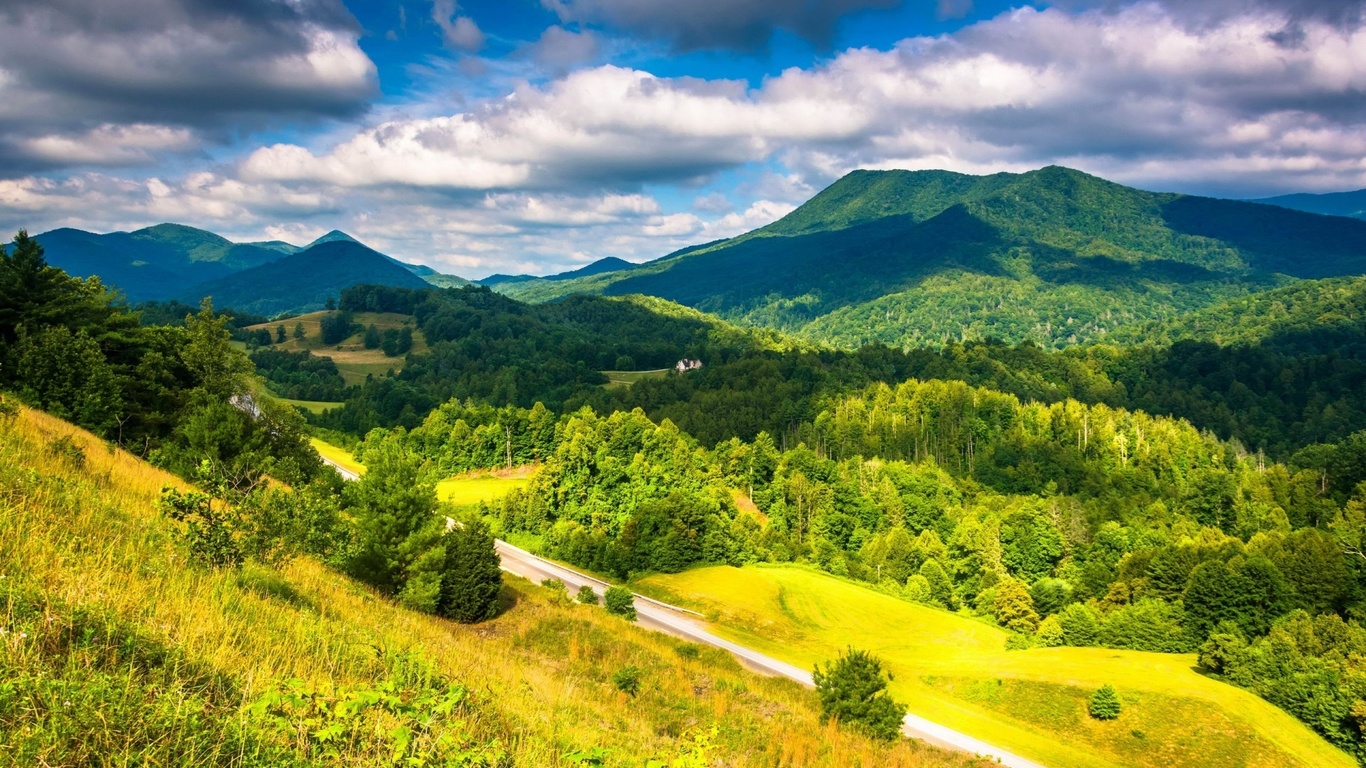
1351,204
304,281
1053,256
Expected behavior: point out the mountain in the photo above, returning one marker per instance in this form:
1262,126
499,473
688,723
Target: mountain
304,281
1054,256
433,277
155,262
335,236
601,266
1350,204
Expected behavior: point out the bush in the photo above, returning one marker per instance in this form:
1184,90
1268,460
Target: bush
210,534
627,680
853,690
688,651
471,580
587,596
1104,704
621,602
1050,634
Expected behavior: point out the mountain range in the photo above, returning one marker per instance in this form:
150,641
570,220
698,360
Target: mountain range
906,258
1054,256
173,261
1350,204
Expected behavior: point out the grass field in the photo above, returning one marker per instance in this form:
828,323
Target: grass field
312,406
955,670
627,378
115,651
468,491
354,362
339,455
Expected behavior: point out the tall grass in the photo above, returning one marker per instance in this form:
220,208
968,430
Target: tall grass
116,652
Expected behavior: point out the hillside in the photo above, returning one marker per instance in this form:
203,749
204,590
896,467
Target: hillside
608,264
1351,204
958,672
304,281
1052,256
117,652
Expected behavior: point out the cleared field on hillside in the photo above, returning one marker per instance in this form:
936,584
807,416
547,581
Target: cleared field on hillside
467,491
116,651
354,362
312,406
627,378
955,670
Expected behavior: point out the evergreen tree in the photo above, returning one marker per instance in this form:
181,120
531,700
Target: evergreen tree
299,332
1104,703
941,587
280,334
372,339
67,375
218,370
853,691
470,579
395,508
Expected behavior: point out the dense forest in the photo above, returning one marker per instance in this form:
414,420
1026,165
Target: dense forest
1226,515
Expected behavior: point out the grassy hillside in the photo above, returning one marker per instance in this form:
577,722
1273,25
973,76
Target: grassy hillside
956,671
304,281
354,362
1053,256
118,653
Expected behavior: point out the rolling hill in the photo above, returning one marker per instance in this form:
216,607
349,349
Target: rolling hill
304,281
1054,256
1351,204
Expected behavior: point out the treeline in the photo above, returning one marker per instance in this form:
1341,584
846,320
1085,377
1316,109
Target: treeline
1065,523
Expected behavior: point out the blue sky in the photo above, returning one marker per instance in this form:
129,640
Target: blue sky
537,135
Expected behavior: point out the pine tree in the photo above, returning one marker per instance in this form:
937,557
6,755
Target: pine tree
941,586
471,579
372,338
280,334
1104,704
853,690
299,332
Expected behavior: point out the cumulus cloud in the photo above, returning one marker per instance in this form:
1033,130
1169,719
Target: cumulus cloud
560,49
460,33
701,24
69,68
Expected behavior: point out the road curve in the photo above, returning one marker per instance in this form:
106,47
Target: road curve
662,617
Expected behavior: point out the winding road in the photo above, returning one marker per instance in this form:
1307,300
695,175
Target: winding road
662,617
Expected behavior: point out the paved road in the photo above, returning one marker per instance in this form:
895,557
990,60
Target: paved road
676,621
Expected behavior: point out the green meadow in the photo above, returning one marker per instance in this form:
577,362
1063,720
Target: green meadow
956,671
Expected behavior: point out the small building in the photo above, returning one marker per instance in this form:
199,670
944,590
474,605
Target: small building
685,365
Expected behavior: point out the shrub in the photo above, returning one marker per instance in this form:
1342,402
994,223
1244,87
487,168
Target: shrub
627,680
688,651
587,596
471,580
621,602
853,690
209,533
1104,704
1050,634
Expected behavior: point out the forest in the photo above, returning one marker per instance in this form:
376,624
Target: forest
1008,482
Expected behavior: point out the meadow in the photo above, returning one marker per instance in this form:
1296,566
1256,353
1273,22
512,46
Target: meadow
354,362
955,670
617,379
470,490
117,652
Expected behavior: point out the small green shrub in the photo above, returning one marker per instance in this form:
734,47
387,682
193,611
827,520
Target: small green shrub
1104,704
209,533
621,602
688,651
587,596
627,680
853,691
66,448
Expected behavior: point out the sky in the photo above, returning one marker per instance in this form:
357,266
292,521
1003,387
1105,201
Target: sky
535,136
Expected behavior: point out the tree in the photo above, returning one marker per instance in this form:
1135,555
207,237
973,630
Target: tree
372,339
1014,607
471,579
1104,703
335,327
941,586
621,602
218,370
1080,625
853,691
587,596
395,508
331,303
299,332
67,375
280,334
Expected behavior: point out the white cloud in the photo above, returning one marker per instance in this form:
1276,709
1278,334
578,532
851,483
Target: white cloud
458,32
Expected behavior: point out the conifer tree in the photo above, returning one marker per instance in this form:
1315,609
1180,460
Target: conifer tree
853,690
471,580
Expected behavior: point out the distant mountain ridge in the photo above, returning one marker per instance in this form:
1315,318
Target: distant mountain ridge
1056,256
603,265
174,261
1350,204
304,281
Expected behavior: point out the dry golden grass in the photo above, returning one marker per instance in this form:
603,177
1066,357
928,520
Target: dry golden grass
90,536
